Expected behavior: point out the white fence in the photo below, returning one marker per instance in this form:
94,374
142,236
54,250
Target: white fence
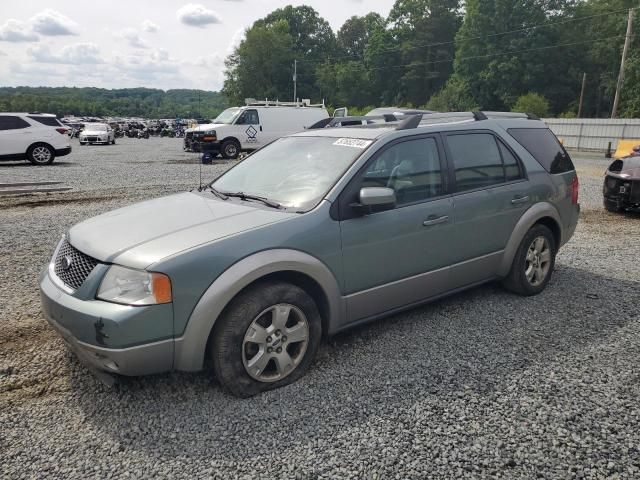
594,133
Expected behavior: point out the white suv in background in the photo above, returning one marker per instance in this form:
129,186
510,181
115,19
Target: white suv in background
37,137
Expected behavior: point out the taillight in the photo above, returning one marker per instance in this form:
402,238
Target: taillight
575,188
62,131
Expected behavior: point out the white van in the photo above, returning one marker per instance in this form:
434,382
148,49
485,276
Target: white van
252,126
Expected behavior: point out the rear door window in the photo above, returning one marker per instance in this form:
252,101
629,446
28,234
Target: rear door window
11,122
476,160
543,145
48,121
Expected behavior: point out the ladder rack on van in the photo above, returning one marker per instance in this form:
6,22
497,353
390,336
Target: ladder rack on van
305,102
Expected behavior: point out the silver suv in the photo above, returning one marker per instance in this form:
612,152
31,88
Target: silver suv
315,233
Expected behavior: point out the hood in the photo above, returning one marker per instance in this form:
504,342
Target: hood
630,169
206,126
90,131
144,233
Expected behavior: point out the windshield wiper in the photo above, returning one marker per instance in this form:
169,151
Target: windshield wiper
217,193
245,196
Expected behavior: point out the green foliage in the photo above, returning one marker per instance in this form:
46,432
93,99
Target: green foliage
532,103
128,102
262,65
455,96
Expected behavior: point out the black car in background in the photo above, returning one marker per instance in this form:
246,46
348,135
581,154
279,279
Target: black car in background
621,187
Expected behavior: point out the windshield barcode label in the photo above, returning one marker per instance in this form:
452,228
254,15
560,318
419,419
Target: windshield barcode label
352,142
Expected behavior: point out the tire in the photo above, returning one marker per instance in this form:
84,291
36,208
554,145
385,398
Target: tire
253,312
525,278
230,149
41,154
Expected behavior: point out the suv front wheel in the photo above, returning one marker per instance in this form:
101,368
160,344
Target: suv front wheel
533,262
41,154
266,338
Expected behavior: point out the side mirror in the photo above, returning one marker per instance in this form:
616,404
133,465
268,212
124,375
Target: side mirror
374,197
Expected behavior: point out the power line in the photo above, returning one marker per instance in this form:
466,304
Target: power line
532,27
471,57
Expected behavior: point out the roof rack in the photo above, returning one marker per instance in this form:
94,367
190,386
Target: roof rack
458,117
355,121
305,102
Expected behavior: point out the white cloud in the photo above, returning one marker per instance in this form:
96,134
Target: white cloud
133,38
146,66
52,23
78,54
2,54
197,15
238,36
16,31
150,27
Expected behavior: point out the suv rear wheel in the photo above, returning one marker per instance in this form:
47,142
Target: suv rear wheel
266,338
41,154
533,263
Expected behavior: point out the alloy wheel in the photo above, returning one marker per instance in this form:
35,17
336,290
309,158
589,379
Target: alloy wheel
275,343
538,261
41,154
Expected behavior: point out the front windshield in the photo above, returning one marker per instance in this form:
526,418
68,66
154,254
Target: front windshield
295,172
227,116
99,127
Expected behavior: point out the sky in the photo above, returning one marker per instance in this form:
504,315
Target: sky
137,43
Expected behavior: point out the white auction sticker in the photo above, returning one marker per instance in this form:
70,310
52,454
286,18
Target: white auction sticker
352,142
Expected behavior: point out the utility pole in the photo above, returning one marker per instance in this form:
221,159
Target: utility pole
584,81
295,80
627,41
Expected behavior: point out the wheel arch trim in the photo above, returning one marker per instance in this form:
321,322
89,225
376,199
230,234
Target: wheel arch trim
190,349
532,216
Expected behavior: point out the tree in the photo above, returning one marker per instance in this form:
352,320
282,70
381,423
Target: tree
455,96
354,35
411,59
260,66
532,103
312,42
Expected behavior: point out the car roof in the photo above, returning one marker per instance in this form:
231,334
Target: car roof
348,132
28,114
441,122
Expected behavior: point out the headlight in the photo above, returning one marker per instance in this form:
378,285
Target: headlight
134,287
210,133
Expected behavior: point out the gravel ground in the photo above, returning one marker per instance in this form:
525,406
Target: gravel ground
481,384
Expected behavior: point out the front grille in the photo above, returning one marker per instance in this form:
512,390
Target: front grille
72,266
92,139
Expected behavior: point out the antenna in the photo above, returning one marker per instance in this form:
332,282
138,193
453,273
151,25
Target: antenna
200,162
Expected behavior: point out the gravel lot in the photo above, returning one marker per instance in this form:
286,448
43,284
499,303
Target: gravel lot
481,384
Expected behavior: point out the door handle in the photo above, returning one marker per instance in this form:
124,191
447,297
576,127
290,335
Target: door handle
260,127
519,200
434,220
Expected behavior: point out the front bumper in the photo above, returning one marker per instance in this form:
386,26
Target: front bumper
94,139
78,320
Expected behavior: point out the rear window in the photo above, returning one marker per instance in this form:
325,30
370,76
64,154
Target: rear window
48,121
543,145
